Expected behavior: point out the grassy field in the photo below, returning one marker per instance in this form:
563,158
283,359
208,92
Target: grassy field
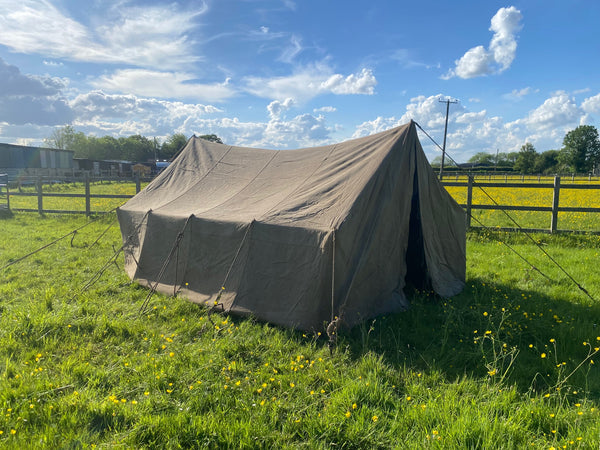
511,362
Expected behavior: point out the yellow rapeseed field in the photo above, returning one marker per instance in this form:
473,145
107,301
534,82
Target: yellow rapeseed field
526,196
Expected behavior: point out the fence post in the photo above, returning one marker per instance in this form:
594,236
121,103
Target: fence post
555,199
88,208
40,197
469,200
137,183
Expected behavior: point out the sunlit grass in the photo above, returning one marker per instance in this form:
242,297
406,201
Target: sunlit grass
509,363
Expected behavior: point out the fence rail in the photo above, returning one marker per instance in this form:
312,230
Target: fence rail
88,196
554,209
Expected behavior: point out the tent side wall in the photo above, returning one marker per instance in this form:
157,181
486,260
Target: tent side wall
277,274
444,231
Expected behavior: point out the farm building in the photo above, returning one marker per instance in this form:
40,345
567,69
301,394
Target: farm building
298,237
108,168
20,160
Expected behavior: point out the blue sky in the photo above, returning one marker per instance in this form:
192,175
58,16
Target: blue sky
298,73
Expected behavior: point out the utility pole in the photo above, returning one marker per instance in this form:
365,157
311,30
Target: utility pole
496,165
447,102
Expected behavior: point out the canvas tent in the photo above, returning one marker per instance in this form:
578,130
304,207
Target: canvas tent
298,237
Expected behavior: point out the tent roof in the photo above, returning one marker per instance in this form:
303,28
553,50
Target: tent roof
311,187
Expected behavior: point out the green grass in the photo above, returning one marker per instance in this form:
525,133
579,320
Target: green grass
82,369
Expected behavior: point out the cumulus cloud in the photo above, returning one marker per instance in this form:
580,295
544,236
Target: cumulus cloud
152,36
310,82
470,132
277,108
101,113
430,112
556,113
479,61
150,83
31,100
376,125
591,104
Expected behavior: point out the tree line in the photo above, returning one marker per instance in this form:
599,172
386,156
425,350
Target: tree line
580,153
135,148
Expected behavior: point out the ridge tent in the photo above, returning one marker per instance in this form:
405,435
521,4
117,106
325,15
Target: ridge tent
298,237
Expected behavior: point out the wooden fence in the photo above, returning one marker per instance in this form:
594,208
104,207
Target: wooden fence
88,196
553,209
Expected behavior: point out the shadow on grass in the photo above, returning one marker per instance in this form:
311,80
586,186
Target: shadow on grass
490,330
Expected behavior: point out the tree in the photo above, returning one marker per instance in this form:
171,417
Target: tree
546,162
172,145
437,162
483,159
211,138
581,149
507,159
66,138
526,160
136,148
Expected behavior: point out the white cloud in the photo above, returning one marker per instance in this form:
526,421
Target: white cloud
581,91
152,36
376,125
475,62
53,63
470,132
556,113
277,108
326,109
292,50
310,82
149,83
591,104
405,58
505,24
303,130
471,117
479,61
100,114
518,94
363,83
430,112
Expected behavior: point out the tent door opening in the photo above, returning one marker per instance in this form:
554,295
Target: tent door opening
417,275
